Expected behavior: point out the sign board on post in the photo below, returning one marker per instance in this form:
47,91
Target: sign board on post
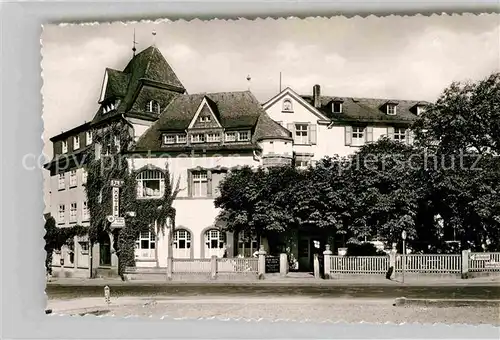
116,183
492,265
480,257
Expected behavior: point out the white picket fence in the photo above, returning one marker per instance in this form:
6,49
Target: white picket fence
237,265
191,266
359,264
484,262
416,263
429,263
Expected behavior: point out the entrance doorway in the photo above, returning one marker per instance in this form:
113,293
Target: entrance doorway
308,247
104,250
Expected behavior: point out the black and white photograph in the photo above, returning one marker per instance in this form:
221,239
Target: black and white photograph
313,170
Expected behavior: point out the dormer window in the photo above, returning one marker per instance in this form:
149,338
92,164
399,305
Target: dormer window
391,109
420,109
89,137
337,107
153,106
76,142
64,146
287,105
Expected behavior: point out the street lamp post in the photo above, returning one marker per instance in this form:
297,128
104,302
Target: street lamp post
403,236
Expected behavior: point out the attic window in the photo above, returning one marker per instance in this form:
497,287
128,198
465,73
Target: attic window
337,107
420,109
391,109
153,106
287,105
205,119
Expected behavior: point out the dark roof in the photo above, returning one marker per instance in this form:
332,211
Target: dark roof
267,128
367,109
71,132
117,84
148,66
234,110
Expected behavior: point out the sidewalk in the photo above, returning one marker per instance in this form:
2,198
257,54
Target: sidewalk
369,280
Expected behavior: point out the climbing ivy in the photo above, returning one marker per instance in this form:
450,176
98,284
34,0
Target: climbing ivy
107,160
56,237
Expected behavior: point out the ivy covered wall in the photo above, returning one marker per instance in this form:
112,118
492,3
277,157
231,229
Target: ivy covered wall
107,160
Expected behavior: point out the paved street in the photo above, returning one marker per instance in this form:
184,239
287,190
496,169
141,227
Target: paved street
463,289
299,309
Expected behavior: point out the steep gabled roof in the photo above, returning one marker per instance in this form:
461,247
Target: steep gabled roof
233,109
366,109
148,66
267,128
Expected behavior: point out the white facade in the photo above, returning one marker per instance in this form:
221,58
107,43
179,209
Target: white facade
321,138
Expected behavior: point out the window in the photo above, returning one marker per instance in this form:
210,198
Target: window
215,239
84,176
420,110
301,134
72,178
64,146
182,239
168,139
213,137
89,137
337,107
84,247
85,211
230,136
181,138
62,213
399,134
243,136
247,244
199,184
72,213
116,141
145,245
205,119
76,142
153,106
198,138
391,109
358,136
61,181
287,105
150,184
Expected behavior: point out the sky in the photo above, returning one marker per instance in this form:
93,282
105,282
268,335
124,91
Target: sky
411,57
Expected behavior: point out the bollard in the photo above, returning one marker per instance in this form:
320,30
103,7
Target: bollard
107,295
327,260
283,264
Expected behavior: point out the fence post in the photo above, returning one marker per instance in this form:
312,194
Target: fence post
392,264
327,255
283,264
317,275
170,268
213,267
465,263
262,262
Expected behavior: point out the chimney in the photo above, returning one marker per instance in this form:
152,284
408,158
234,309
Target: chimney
316,96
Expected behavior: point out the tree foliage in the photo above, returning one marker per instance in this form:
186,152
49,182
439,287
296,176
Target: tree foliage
445,187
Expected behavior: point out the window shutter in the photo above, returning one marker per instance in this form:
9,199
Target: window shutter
312,134
209,183
97,151
409,136
190,183
348,135
369,134
390,132
162,186
139,188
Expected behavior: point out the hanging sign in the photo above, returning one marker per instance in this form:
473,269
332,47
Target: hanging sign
116,198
